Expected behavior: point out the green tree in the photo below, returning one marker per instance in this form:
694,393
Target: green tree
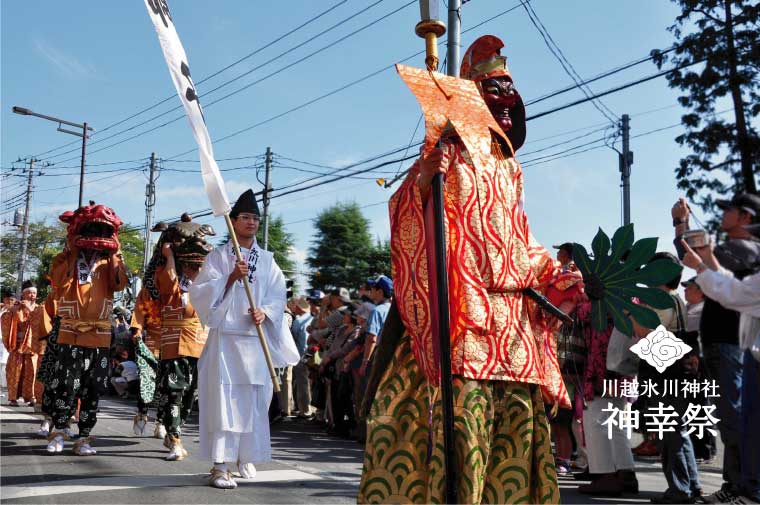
132,247
341,249
380,258
44,242
721,38
280,243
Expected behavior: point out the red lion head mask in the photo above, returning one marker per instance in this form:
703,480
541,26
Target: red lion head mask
93,227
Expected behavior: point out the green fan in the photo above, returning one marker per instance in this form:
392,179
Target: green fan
611,281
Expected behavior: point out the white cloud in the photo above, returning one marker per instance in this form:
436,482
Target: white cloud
65,63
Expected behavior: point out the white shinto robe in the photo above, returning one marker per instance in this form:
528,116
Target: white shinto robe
234,386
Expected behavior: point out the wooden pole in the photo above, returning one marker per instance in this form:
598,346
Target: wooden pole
430,29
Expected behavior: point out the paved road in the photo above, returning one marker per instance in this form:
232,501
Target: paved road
308,467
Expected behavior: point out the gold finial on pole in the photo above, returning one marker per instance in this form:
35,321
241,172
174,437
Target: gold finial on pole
430,28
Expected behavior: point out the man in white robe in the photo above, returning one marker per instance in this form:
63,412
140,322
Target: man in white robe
234,383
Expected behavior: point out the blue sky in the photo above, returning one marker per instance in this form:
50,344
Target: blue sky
100,62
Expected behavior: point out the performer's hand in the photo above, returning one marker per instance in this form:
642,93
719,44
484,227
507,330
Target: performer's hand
240,271
680,210
437,162
257,315
166,250
26,306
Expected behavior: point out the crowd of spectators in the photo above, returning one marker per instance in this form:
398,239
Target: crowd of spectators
336,336
719,322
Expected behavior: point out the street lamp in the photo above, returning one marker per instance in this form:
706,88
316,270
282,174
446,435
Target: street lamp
27,112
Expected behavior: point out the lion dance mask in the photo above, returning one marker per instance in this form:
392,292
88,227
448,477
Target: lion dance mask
92,227
189,245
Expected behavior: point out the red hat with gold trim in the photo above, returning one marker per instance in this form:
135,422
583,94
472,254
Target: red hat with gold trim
483,60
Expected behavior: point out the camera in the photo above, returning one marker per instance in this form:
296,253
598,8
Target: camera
696,238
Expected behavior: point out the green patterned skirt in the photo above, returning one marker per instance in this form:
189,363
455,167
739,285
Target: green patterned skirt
502,441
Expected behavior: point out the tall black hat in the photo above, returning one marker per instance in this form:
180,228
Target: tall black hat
27,285
245,203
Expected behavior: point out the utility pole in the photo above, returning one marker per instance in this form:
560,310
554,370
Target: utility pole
452,41
150,202
625,161
268,164
81,168
25,228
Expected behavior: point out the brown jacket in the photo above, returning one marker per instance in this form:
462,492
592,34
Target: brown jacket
182,334
85,309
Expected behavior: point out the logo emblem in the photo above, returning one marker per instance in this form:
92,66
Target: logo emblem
660,348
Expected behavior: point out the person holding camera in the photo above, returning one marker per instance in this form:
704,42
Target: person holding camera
719,325
742,295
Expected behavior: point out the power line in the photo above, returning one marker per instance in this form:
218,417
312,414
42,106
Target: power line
307,171
89,172
306,104
612,90
528,153
343,87
214,74
564,62
94,180
597,77
313,218
272,74
229,169
257,156
244,74
328,181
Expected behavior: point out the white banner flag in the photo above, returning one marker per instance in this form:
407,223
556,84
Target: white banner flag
176,60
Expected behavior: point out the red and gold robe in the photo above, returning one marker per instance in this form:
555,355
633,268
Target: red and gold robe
492,256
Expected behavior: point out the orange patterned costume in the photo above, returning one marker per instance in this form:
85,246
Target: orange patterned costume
19,338
83,278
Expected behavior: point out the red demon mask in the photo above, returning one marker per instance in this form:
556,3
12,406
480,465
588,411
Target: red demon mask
484,64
